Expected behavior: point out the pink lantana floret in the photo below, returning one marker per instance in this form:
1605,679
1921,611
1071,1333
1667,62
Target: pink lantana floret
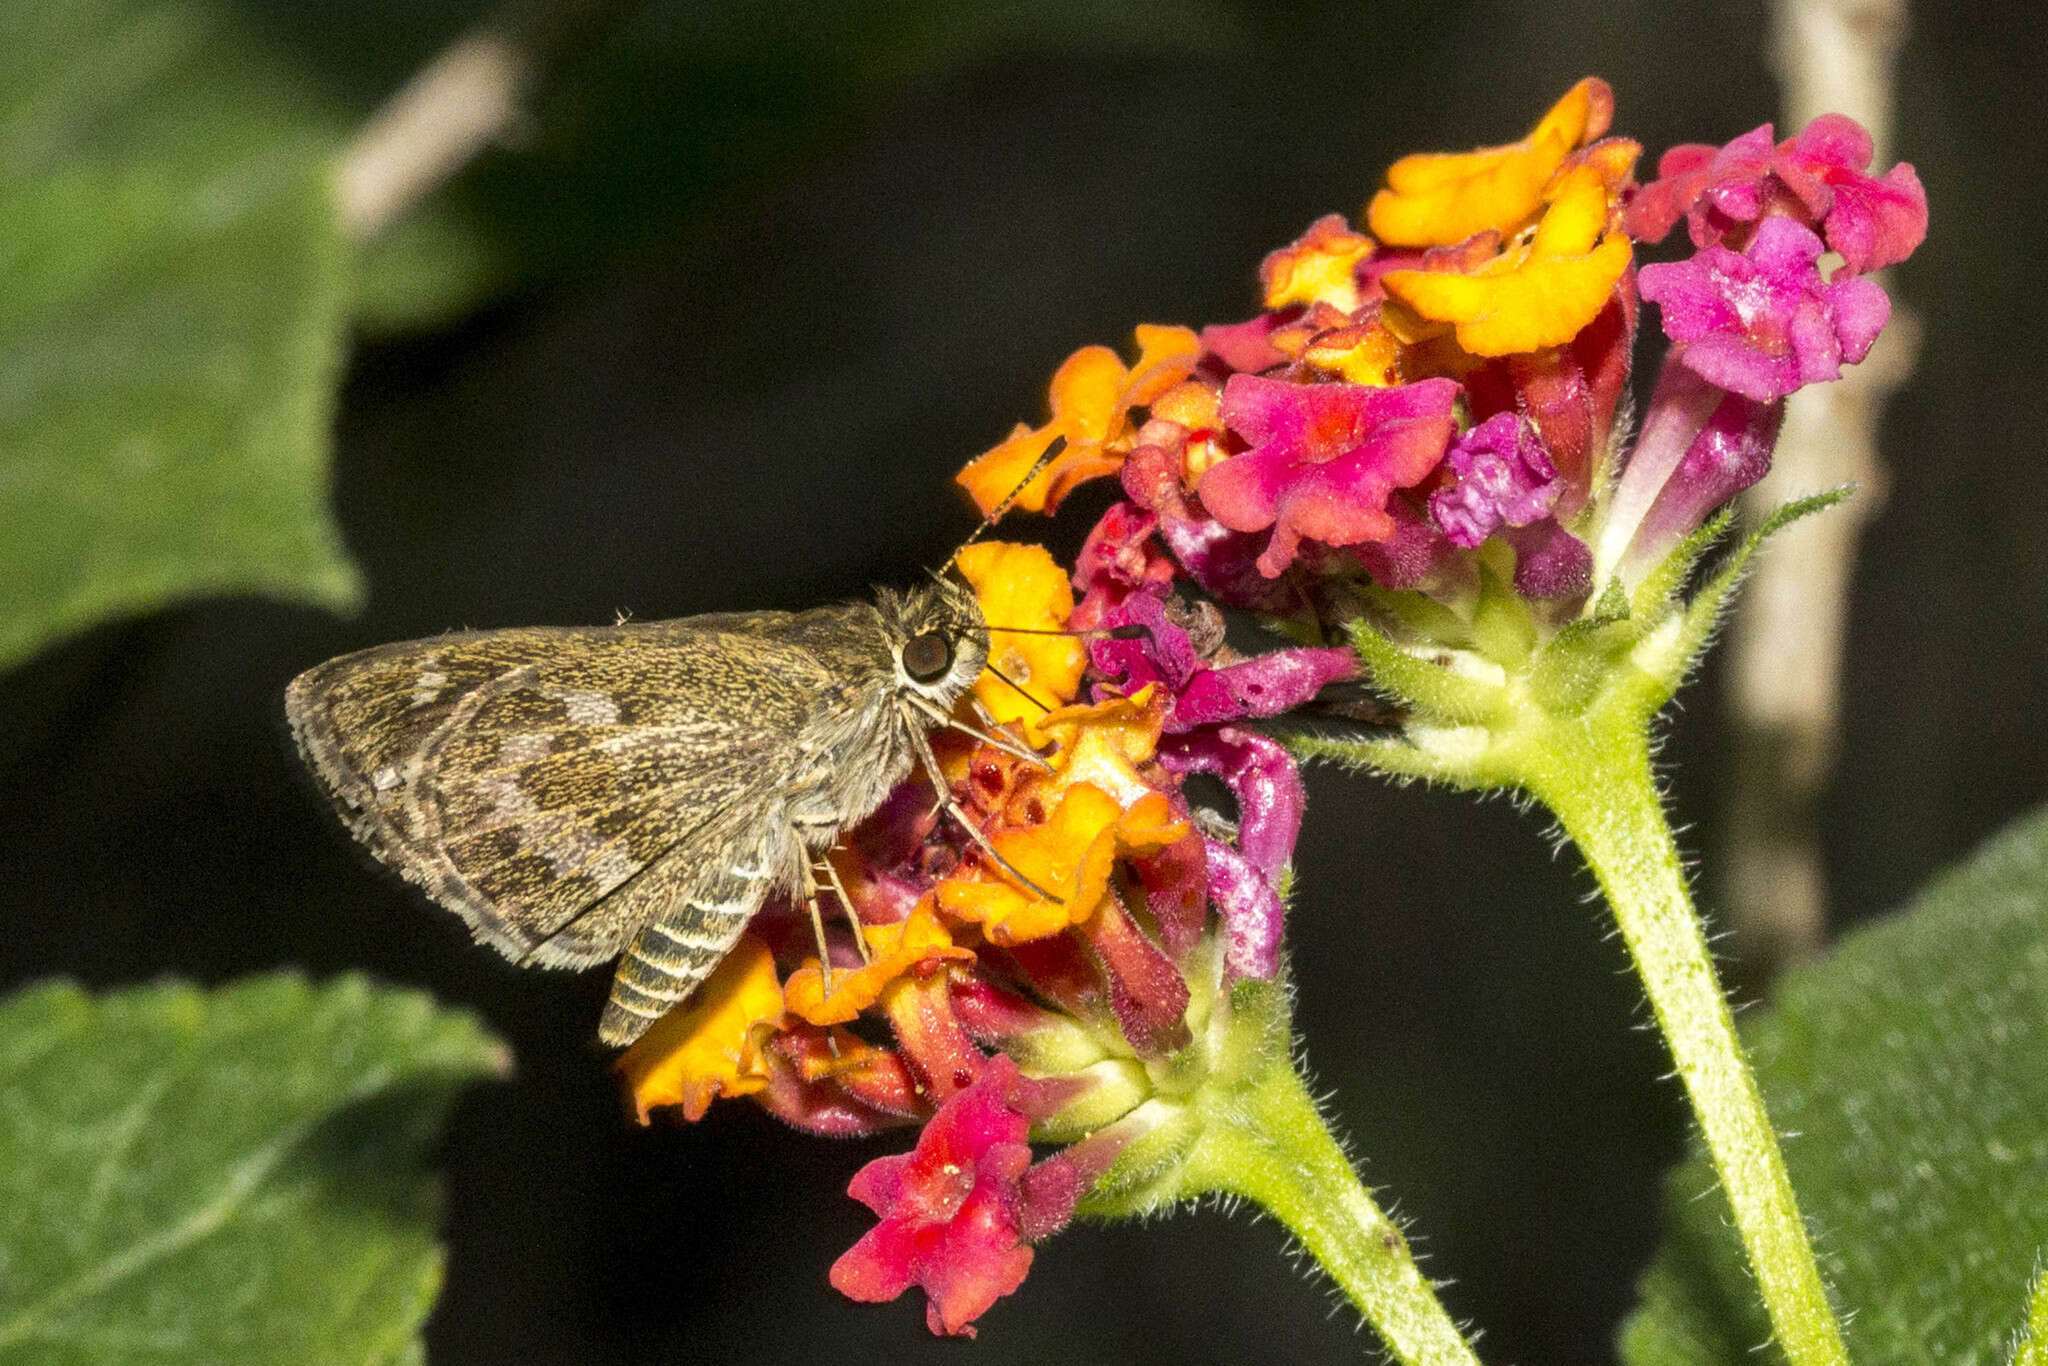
1761,323
959,1210
1323,459
1818,176
1244,882
1504,478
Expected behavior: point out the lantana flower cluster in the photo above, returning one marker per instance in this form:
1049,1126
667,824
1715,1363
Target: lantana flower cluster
1423,430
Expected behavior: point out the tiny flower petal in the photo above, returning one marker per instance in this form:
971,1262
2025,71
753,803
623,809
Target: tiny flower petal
1223,562
952,1211
1542,293
692,1056
1022,586
1264,685
1504,478
1100,744
1321,266
1247,345
1070,856
1435,199
1324,458
1819,177
1248,902
1121,557
1261,775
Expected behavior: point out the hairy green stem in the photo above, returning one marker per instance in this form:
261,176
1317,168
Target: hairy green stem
1273,1148
1596,779
2032,1349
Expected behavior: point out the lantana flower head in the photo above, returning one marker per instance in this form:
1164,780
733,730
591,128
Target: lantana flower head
1415,462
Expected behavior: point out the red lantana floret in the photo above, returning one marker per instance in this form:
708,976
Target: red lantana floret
959,1211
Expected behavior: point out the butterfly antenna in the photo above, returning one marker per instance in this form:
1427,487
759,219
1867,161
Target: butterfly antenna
1018,688
995,514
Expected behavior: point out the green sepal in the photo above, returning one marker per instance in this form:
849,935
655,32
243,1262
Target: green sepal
1703,613
1666,579
1432,687
1241,1032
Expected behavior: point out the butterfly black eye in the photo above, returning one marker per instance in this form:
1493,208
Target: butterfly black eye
927,657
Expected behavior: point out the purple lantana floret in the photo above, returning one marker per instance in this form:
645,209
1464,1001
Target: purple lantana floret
1504,478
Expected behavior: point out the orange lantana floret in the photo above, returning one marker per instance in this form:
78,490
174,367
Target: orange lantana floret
692,1056
1022,586
1092,396
1100,744
1544,291
1321,266
1435,199
1363,353
1070,856
917,941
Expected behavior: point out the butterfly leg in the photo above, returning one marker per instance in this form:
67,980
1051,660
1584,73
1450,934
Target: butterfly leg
860,939
818,929
959,813
993,735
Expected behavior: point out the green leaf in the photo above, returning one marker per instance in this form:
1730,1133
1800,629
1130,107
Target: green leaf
1912,1064
171,324
227,1176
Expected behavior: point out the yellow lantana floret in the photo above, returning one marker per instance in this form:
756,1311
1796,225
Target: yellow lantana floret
1544,291
1320,267
1437,198
692,1056
1091,397
1070,856
1022,586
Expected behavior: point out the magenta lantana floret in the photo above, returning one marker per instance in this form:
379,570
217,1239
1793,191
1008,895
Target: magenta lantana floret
960,1211
1324,458
1761,322
1150,648
1818,177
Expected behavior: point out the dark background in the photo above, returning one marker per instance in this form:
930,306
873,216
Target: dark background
758,399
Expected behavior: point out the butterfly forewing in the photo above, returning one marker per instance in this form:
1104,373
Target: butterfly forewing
560,789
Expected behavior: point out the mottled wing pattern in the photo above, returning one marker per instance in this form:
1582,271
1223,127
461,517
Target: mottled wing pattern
562,789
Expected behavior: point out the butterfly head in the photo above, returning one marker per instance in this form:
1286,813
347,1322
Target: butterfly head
937,637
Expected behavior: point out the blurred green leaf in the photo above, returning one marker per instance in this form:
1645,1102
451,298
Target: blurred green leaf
1912,1064
227,1176
171,318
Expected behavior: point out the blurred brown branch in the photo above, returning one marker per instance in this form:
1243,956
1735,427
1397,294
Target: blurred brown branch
470,97
1785,642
